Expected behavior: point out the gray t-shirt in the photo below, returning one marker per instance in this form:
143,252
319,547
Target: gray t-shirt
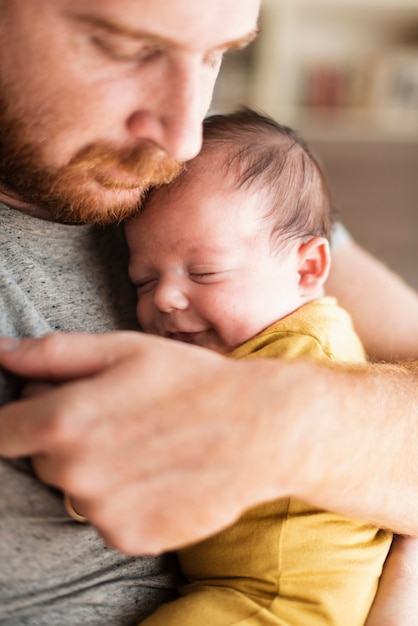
54,571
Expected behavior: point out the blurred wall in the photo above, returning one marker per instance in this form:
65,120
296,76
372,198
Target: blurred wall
375,188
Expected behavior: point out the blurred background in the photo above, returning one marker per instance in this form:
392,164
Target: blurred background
344,73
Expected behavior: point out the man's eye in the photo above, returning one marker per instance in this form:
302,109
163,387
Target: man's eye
126,50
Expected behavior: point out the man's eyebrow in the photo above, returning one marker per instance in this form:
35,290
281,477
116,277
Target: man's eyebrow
242,42
120,29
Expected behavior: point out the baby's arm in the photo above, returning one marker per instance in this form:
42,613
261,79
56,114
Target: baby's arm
396,602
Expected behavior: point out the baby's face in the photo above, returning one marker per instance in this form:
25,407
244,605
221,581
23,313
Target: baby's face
204,266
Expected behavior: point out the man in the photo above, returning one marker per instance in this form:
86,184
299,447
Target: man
98,100
92,92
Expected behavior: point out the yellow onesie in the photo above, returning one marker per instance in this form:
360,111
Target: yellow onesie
285,563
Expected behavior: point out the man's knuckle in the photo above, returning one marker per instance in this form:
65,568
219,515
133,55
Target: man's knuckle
50,345
58,428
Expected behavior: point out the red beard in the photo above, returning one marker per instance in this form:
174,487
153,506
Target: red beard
101,184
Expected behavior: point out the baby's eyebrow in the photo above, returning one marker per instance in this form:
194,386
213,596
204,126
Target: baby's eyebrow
116,28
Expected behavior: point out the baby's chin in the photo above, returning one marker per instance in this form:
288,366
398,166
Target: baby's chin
204,339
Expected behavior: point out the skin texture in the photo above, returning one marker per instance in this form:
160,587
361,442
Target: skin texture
306,430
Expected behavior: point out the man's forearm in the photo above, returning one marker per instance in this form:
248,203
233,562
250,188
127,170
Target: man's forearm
384,308
396,602
356,441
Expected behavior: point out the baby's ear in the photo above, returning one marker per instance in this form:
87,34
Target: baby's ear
313,263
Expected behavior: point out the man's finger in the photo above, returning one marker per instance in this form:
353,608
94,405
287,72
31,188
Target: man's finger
61,356
53,420
20,436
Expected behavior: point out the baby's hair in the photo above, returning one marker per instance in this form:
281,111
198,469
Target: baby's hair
259,152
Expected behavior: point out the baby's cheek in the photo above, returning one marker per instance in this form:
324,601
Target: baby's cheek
145,314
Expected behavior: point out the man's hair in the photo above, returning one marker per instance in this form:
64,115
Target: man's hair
259,152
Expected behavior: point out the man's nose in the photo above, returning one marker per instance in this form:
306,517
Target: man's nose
169,297
172,118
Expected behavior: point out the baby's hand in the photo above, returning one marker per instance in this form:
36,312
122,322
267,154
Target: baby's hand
396,602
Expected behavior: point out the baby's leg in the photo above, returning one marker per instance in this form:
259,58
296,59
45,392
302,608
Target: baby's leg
396,602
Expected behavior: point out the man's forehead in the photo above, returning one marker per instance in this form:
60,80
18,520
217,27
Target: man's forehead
190,23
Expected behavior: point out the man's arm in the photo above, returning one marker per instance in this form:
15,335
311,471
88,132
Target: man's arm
396,603
160,443
383,307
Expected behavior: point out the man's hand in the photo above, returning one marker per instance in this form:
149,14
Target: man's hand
160,444
145,434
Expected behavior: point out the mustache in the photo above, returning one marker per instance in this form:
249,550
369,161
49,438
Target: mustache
144,164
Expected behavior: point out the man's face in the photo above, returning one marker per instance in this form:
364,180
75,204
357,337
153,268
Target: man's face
100,98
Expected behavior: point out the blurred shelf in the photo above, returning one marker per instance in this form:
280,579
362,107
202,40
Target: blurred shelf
334,69
379,125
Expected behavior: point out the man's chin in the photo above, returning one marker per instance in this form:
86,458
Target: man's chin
105,199
98,186
100,205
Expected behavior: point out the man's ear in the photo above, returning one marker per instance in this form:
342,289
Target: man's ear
314,260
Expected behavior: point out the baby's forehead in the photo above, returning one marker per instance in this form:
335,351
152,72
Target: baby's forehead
221,168
204,173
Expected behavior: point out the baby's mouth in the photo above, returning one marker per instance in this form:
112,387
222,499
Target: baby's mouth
183,336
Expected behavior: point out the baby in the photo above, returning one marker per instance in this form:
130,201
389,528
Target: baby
233,256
